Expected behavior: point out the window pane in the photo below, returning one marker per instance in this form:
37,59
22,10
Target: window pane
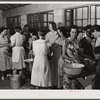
28,18
98,12
85,12
92,21
40,19
98,21
44,24
32,18
44,17
15,20
19,20
11,20
92,11
36,16
50,17
79,23
84,22
79,13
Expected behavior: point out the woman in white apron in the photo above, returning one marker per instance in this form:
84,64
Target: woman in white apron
17,51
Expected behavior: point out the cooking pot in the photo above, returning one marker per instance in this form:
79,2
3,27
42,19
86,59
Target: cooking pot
73,68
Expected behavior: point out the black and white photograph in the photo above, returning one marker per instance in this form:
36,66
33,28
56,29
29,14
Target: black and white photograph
50,46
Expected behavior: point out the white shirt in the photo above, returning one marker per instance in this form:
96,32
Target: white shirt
17,39
51,37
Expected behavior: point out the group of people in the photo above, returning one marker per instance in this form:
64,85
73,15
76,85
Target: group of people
14,49
52,50
60,46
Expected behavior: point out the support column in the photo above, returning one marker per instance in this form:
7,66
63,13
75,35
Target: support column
23,20
59,17
1,19
89,17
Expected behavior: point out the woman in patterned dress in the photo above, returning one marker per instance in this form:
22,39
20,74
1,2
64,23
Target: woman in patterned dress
57,58
3,48
70,53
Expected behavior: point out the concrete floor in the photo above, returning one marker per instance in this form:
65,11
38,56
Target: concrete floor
5,84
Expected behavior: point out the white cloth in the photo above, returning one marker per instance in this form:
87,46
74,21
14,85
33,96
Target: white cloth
51,37
41,72
18,50
16,53
17,39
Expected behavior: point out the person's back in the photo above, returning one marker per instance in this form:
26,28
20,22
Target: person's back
40,48
17,51
18,39
41,73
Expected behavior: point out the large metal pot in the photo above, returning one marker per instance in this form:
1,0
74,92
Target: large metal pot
73,69
15,81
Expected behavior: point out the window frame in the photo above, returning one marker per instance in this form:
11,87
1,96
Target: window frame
76,19
13,21
40,15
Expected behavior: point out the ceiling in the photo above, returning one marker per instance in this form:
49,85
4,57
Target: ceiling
5,7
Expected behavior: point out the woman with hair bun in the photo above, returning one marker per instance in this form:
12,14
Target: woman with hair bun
52,35
41,72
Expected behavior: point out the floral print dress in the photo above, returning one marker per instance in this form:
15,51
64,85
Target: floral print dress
71,51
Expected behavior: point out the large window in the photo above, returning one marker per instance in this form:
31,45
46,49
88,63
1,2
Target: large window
39,20
77,16
95,14
13,21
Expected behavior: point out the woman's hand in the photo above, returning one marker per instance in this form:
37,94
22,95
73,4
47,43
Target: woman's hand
75,60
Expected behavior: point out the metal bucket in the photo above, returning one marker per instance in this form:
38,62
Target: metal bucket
15,82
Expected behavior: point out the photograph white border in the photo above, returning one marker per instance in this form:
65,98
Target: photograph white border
48,94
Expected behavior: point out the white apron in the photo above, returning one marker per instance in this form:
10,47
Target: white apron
16,53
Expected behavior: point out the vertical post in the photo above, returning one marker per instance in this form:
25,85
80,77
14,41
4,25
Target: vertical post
23,20
89,15
59,16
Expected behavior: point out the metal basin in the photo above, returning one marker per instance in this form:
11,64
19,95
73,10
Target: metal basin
73,69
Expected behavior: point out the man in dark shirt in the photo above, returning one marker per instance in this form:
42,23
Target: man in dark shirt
86,49
96,49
